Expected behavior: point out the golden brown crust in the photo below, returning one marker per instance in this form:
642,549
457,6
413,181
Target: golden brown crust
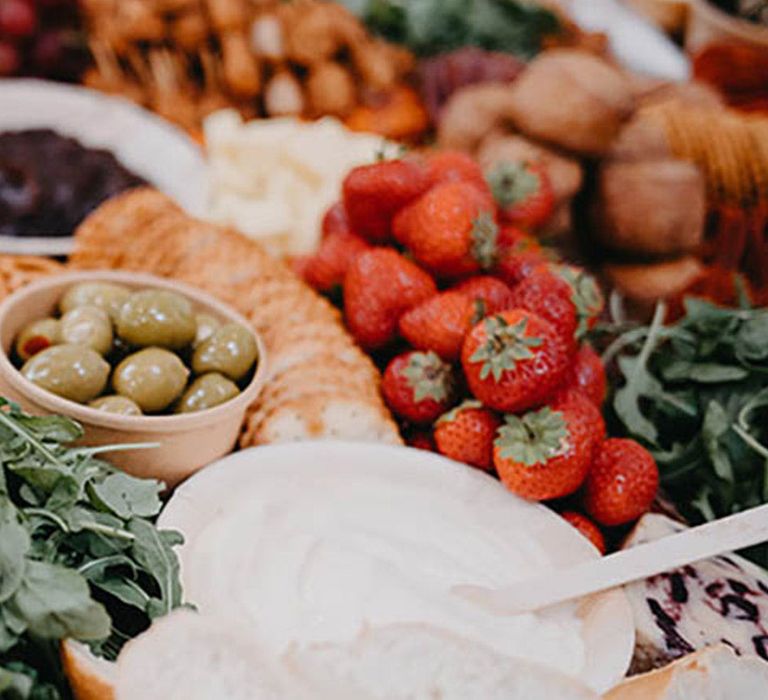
84,678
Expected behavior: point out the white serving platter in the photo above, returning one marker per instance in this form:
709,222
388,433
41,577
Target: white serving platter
316,477
143,142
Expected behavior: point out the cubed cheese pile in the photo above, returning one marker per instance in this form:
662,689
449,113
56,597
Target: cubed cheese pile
273,179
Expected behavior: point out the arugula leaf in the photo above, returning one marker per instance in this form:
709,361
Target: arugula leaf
14,545
125,496
158,560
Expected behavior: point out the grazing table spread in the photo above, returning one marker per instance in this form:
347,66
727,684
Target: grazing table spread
326,327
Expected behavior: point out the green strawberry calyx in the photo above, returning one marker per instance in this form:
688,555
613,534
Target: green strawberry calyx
485,235
429,377
533,438
505,346
512,183
585,294
453,414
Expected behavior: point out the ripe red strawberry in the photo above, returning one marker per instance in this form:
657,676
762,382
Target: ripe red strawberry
492,292
373,194
440,323
466,434
585,293
587,528
622,483
326,268
519,254
451,230
546,453
588,375
547,295
381,285
418,386
514,360
523,192
455,166
336,221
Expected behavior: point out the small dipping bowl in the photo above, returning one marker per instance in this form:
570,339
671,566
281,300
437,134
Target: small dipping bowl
186,442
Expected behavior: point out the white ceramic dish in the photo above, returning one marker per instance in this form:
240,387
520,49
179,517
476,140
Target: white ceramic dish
146,144
311,482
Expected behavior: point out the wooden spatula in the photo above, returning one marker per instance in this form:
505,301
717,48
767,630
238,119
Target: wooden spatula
692,545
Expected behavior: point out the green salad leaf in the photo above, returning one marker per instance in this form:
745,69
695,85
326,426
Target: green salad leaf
429,27
695,393
80,556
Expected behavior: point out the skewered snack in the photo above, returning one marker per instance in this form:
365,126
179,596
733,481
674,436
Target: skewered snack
186,58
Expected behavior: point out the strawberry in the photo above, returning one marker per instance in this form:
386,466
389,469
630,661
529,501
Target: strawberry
335,221
622,483
381,285
587,374
519,254
493,293
440,323
546,453
466,434
327,267
373,194
547,295
523,192
418,386
587,528
585,294
455,166
451,230
514,360
421,440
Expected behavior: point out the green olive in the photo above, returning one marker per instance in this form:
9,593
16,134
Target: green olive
207,391
231,350
105,295
116,404
88,325
153,378
206,325
157,317
37,336
71,371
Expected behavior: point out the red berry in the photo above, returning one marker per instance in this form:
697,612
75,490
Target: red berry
585,294
514,360
547,295
466,434
336,220
17,18
10,62
588,375
440,324
421,440
622,482
455,166
328,266
587,528
373,194
546,453
451,230
523,192
379,287
492,292
418,386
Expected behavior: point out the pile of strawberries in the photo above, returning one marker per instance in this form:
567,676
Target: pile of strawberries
480,330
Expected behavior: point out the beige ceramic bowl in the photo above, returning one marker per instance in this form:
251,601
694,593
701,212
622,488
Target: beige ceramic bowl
186,442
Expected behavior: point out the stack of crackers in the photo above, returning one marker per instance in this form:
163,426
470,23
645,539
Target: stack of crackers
319,385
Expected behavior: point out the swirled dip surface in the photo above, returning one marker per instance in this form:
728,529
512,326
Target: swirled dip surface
311,552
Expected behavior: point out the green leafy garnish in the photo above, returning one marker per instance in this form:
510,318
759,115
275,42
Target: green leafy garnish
79,555
696,394
429,27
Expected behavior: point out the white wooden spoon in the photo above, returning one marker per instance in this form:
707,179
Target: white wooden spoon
692,545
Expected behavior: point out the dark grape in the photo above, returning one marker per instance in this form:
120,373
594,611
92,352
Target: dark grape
17,18
9,59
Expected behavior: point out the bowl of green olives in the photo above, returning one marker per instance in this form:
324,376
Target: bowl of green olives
133,358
